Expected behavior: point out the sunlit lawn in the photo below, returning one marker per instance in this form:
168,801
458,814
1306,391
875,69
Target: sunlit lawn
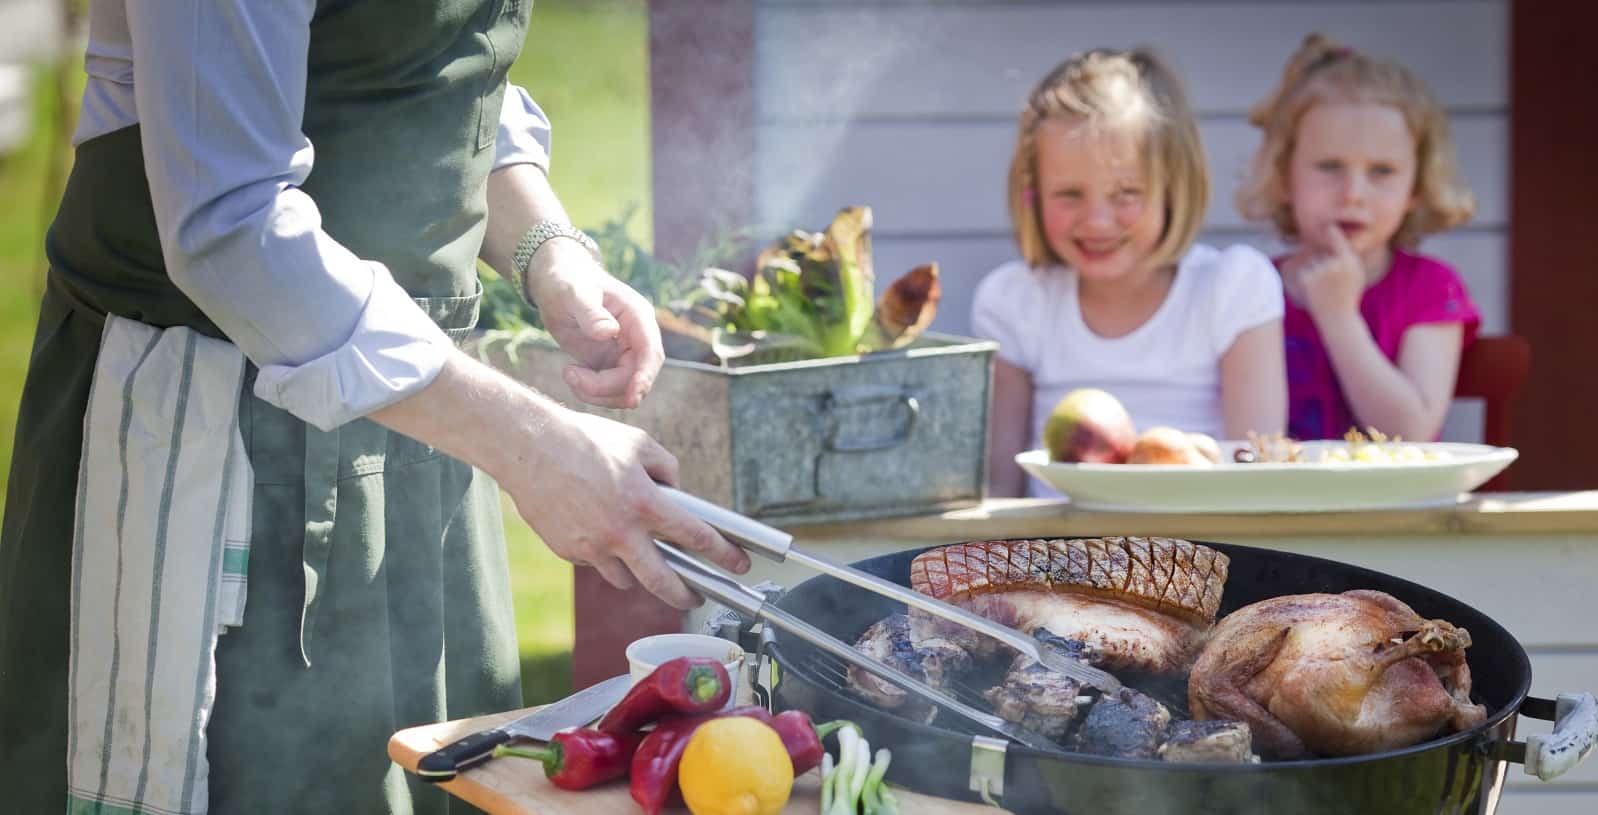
542,584
585,63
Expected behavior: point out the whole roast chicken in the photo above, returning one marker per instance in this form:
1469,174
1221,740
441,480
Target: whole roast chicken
1334,675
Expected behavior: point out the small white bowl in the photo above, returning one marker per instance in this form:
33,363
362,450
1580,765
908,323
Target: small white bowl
646,654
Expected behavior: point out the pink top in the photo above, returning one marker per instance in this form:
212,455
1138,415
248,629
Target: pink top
1416,290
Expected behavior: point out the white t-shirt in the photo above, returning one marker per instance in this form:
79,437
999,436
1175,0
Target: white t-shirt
1166,371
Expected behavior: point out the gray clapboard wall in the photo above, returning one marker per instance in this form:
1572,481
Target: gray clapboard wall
910,107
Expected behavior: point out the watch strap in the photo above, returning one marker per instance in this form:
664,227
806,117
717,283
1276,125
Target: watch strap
540,234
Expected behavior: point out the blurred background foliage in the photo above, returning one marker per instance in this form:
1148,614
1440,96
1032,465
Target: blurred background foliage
585,62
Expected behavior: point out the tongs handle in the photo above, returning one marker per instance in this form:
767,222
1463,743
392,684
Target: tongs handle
742,531
715,586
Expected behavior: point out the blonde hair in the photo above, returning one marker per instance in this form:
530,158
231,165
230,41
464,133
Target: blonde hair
1323,71
1125,91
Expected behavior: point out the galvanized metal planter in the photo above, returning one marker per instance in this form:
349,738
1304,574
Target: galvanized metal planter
891,433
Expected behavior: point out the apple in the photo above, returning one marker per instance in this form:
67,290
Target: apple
1206,445
1089,425
1166,445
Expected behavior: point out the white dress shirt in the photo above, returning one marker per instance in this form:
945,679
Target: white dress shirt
219,96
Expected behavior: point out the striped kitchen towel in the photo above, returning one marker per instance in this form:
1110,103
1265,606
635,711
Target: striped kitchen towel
161,540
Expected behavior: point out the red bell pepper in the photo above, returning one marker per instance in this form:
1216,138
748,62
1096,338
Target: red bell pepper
677,686
579,759
803,739
653,775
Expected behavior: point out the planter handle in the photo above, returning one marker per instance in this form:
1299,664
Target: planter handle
843,399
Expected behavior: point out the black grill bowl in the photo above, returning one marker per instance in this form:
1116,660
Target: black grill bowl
1452,774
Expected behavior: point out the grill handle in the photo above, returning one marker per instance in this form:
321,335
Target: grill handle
1575,717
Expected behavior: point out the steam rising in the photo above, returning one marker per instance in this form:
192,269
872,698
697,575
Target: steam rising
802,119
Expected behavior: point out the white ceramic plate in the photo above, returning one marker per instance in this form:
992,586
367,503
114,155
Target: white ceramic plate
1309,486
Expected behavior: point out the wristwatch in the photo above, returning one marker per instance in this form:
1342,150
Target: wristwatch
541,233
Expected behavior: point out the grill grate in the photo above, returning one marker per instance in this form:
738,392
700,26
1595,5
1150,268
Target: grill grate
830,673
834,675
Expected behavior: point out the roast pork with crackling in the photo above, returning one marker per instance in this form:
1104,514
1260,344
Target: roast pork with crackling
1141,604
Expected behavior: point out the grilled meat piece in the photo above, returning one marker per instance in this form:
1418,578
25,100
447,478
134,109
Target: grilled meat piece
1075,649
1125,725
1335,674
1139,603
1213,741
932,660
1036,698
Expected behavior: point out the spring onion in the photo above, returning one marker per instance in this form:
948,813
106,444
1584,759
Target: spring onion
827,778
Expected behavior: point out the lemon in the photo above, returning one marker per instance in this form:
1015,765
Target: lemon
735,766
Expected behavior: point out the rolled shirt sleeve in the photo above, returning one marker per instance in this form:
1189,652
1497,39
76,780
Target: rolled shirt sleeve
523,132
219,94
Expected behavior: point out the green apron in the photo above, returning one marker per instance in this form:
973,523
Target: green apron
378,588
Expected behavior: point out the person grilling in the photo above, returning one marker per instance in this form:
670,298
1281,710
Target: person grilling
261,264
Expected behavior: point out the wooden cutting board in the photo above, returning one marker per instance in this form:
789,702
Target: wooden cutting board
510,786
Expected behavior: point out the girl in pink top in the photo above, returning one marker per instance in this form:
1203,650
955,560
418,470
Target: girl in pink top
1355,167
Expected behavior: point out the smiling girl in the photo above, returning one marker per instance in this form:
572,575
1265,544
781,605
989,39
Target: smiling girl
1107,191
1356,166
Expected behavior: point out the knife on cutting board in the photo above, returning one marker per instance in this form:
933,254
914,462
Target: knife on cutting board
542,724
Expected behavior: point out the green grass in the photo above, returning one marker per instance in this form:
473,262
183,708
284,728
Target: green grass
586,63
542,585
24,176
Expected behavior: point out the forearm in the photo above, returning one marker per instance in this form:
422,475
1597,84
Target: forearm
1379,394
1009,429
1266,417
1254,383
466,397
1006,479
519,196
586,485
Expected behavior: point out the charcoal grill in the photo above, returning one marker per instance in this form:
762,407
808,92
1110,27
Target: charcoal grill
1458,773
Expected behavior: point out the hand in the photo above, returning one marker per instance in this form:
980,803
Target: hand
590,494
605,325
1329,282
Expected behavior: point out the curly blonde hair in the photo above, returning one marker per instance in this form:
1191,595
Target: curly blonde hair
1131,92
1324,71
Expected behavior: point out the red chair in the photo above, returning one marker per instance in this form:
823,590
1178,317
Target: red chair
1494,369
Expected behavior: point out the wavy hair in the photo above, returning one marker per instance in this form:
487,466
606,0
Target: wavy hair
1131,92
1324,71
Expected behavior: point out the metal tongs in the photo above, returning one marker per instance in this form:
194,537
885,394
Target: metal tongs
748,602
777,545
